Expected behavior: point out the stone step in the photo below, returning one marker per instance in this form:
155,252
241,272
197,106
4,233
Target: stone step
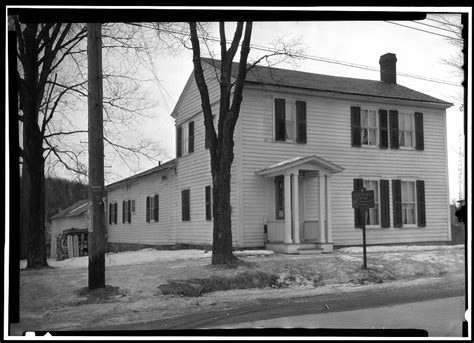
309,251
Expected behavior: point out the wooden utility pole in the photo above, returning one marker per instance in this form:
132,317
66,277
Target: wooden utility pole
97,230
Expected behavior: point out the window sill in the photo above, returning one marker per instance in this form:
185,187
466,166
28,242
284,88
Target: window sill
284,142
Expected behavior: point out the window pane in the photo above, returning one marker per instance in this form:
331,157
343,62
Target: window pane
363,118
373,119
409,138
365,136
401,138
373,137
411,191
401,121
408,122
290,130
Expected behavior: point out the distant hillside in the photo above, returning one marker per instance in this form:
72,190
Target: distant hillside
61,193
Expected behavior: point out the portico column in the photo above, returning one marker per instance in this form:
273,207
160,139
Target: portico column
322,231
287,208
328,208
296,209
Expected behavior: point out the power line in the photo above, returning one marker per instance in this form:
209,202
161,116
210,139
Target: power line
441,22
436,27
414,28
322,59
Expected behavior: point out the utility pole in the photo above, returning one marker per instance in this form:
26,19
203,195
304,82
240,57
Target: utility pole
97,231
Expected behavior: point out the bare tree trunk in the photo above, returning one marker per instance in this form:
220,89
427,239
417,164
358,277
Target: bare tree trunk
222,231
33,172
33,189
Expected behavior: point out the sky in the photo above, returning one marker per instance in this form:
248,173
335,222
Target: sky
359,43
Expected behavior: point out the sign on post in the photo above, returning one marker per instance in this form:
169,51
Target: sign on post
362,200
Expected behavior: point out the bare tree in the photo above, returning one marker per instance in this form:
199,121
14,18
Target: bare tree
457,60
221,146
221,143
52,91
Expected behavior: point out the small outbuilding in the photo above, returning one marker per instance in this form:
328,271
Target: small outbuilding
69,231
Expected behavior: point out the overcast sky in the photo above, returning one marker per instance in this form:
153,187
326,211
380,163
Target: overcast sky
361,43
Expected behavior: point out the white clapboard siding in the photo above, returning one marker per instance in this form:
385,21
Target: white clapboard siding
139,230
329,136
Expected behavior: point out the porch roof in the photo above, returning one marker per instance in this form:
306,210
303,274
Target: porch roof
297,161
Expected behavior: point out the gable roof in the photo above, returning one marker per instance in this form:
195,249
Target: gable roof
78,208
326,83
165,166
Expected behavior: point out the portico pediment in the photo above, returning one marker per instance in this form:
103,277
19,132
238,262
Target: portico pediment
311,162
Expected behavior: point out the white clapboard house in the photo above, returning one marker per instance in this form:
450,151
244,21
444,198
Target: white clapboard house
303,143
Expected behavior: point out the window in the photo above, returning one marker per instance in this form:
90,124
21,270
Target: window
126,211
152,208
405,130
279,197
132,209
368,127
290,121
399,129
408,202
185,139
113,213
208,195
185,205
372,217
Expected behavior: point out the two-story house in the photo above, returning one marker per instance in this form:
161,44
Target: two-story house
303,143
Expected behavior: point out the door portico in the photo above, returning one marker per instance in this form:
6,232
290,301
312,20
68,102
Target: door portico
305,198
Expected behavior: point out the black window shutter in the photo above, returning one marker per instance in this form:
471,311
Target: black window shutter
419,138
130,211
110,213
397,203
280,119
184,205
123,211
393,118
383,123
156,209
420,203
355,125
179,141
301,121
191,137
115,212
208,203
384,203
358,214
147,209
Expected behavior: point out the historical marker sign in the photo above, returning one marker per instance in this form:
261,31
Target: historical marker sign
363,198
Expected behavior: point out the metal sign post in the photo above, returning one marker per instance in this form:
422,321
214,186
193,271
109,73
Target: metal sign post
362,200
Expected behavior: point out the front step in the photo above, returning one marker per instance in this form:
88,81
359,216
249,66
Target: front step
309,251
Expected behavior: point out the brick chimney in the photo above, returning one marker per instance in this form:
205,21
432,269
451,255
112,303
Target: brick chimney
388,68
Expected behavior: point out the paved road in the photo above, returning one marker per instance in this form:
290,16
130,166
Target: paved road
438,318
325,304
